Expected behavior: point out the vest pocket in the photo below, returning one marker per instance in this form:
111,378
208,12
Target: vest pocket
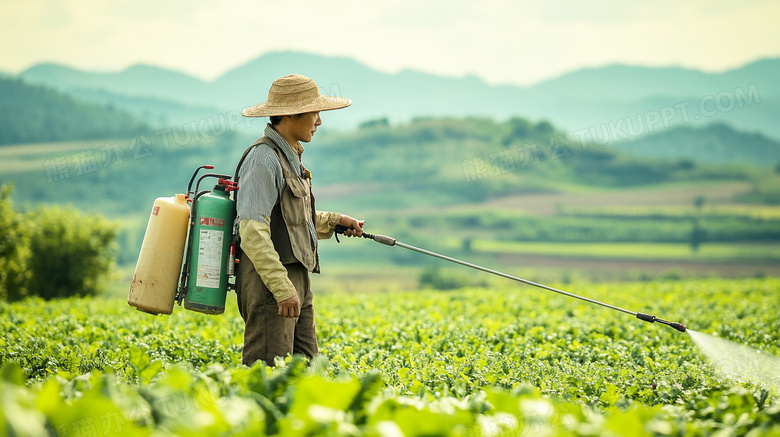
294,207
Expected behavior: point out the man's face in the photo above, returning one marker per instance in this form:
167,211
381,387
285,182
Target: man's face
303,127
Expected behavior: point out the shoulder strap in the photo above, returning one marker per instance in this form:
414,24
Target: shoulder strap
262,140
286,170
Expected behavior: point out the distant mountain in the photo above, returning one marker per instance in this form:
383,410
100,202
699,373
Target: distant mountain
157,112
748,97
658,98
138,80
30,113
714,144
628,83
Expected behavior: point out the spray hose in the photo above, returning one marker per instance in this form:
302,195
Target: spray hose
390,241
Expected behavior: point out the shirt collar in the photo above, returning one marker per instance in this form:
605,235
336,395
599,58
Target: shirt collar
292,156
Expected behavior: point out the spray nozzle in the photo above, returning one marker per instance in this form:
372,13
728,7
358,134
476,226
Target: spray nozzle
652,319
678,326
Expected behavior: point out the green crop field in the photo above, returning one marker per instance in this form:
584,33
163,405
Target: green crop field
512,360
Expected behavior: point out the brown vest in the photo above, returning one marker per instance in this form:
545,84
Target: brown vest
289,225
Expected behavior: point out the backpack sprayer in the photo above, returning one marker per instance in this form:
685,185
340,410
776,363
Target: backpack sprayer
201,222
390,241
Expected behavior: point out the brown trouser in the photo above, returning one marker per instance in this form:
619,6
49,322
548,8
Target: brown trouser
266,333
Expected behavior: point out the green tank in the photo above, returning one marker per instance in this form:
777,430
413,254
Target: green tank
212,229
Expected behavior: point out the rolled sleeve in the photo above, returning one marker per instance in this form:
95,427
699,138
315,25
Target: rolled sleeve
325,223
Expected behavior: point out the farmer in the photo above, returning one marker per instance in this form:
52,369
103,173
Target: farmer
278,226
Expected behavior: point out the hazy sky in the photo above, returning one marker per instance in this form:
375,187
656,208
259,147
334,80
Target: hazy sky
517,42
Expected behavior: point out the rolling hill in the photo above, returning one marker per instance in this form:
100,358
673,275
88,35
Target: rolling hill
30,113
435,161
421,168
714,144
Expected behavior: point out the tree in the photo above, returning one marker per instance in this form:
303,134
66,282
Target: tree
544,129
14,249
698,234
519,129
71,253
378,122
698,202
434,277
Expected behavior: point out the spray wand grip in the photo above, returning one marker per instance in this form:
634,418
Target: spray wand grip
384,239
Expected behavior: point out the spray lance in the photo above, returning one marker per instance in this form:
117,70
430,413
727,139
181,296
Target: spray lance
390,241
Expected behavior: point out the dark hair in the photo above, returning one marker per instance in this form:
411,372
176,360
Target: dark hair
276,119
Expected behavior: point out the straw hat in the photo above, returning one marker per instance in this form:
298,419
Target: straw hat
295,94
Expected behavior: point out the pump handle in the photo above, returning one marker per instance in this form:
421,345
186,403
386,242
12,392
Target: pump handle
194,174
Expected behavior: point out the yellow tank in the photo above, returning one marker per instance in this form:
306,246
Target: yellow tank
156,276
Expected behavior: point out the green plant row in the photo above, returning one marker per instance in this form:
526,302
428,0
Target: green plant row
295,401
460,362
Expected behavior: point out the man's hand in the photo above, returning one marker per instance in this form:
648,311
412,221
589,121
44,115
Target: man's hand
290,307
356,227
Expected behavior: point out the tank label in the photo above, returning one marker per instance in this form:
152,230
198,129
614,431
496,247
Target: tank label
209,258
155,210
210,221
